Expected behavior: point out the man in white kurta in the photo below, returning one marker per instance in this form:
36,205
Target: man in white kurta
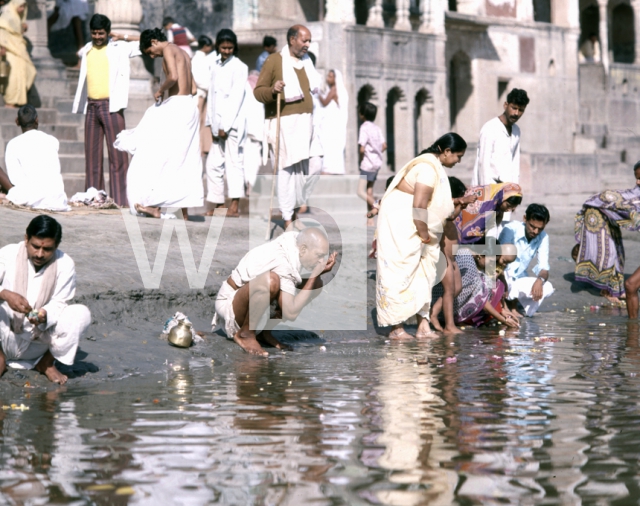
33,166
498,155
37,281
226,116
290,73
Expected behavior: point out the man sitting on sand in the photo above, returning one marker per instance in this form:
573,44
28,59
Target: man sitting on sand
37,280
33,176
272,272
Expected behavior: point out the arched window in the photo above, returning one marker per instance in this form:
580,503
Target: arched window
542,11
623,37
394,99
460,85
423,121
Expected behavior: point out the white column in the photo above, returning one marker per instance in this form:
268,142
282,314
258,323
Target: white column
125,15
375,15
37,29
431,16
402,16
604,33
340,11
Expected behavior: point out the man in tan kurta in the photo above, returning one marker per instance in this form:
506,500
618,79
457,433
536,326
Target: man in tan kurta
292,73
14,46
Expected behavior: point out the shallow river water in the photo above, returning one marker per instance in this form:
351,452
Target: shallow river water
546,415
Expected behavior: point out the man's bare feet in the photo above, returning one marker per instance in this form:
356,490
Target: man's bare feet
266,337
153,212
45,366
249,343
399,334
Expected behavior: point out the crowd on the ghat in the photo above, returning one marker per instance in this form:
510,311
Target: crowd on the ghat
447,254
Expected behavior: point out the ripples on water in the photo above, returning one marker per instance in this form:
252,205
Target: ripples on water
507,419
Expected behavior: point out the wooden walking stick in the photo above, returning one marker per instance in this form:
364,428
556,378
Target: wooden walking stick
275,165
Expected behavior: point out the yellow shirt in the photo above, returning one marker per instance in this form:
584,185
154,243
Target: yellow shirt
97,73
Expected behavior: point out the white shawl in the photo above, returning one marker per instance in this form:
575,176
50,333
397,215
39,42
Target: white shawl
292,91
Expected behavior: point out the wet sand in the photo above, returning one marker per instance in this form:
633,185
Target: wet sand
127,319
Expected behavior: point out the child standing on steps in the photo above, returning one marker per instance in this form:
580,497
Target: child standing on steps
372,145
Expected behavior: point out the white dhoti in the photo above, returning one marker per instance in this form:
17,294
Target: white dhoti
293,170
225,156
252,158
520,289
224,310
166,168
23,351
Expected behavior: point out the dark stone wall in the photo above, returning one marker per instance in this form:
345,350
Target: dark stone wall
202,17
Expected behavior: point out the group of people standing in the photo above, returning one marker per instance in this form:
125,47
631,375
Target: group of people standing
443,248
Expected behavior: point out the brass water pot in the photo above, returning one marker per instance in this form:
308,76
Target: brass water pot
181,335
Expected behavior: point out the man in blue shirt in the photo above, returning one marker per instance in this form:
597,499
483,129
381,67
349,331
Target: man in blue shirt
269,44
531,241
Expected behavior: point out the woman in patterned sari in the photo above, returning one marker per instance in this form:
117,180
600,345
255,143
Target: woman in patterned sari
600,253
480,300
499,198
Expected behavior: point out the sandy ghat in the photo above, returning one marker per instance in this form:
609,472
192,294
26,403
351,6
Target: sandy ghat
124,338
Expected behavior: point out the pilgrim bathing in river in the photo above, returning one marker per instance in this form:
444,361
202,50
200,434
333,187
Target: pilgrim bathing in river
166,168
410,222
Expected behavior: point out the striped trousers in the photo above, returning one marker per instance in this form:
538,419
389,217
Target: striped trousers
98,123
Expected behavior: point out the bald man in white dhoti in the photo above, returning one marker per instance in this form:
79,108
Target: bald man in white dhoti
292,73
37,281
33,176
166,168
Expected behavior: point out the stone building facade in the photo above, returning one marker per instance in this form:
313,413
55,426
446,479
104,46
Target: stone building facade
437,65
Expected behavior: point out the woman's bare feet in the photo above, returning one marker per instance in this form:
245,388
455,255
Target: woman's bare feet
45,366
436,324
452,329
247,341
399,334
266,337
152,212
615,301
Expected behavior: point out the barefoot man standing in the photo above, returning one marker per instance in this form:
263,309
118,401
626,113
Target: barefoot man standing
37,281
272,272
166,167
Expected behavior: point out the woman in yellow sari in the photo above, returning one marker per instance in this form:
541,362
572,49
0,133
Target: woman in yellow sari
14,45
410,223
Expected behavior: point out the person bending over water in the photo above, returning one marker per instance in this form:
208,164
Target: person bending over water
600,252
272,273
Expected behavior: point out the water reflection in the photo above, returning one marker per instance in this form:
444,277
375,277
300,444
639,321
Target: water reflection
548,414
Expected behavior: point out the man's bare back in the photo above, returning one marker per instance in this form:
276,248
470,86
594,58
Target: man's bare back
177,66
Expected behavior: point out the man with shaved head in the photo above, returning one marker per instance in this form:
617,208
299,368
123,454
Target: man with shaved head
291,73
285,271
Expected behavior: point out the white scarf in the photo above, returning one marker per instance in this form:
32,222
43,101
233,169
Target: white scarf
292,91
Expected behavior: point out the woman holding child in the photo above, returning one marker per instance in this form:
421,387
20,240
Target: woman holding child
410,223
